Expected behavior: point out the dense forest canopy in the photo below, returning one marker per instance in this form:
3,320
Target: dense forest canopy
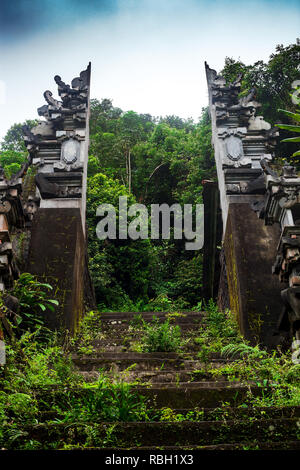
159,160
151,161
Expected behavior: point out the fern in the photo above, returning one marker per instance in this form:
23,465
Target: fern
242,349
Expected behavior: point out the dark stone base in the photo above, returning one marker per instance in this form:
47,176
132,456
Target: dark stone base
223,294
212,239
254,292
57,255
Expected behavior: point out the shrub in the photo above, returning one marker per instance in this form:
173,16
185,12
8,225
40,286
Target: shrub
161,336
33,299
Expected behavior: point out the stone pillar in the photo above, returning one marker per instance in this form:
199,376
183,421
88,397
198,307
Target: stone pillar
58,147
242,140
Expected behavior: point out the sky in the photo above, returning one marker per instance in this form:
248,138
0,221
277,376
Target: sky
146,55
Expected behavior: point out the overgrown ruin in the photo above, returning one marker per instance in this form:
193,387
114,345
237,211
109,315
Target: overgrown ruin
252,211
155,380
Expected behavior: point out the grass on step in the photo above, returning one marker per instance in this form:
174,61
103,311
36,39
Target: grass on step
274,371
158,336
32,364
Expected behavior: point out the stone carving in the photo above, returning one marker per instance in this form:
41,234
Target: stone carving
282,194
12,217
233,189
221,115
31,206
70,151
61,166
43,129
233,148
5,207
241,138
257,123
51,101
50,190
58,147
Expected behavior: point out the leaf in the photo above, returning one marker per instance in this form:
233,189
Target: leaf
288,127
55,302
296,154
46,285
42,307
295,116
292,139
28,315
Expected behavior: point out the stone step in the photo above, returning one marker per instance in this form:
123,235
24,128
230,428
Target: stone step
139,361
199,394
161,355
225,413
111,340
286,445
159,395
216,408
220,414
159,434
115,329
127,343
184,316
153,376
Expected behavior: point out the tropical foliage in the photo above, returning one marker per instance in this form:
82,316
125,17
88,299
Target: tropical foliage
149,161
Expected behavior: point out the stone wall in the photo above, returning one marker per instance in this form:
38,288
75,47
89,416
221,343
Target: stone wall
254,293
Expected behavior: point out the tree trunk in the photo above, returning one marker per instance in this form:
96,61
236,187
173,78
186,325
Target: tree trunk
129,171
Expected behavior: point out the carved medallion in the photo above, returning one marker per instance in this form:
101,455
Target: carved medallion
70,151
233,153
234,147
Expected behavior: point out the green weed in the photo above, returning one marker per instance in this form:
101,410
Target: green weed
161,336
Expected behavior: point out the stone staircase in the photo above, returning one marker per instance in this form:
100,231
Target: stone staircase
216,413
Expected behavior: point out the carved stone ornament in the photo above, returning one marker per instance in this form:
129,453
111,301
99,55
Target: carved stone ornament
289,171
70,151
61,166
257,123
233,147
5,207
233,189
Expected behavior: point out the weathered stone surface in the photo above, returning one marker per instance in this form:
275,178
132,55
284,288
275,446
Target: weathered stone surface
57,256
250,249
212,239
